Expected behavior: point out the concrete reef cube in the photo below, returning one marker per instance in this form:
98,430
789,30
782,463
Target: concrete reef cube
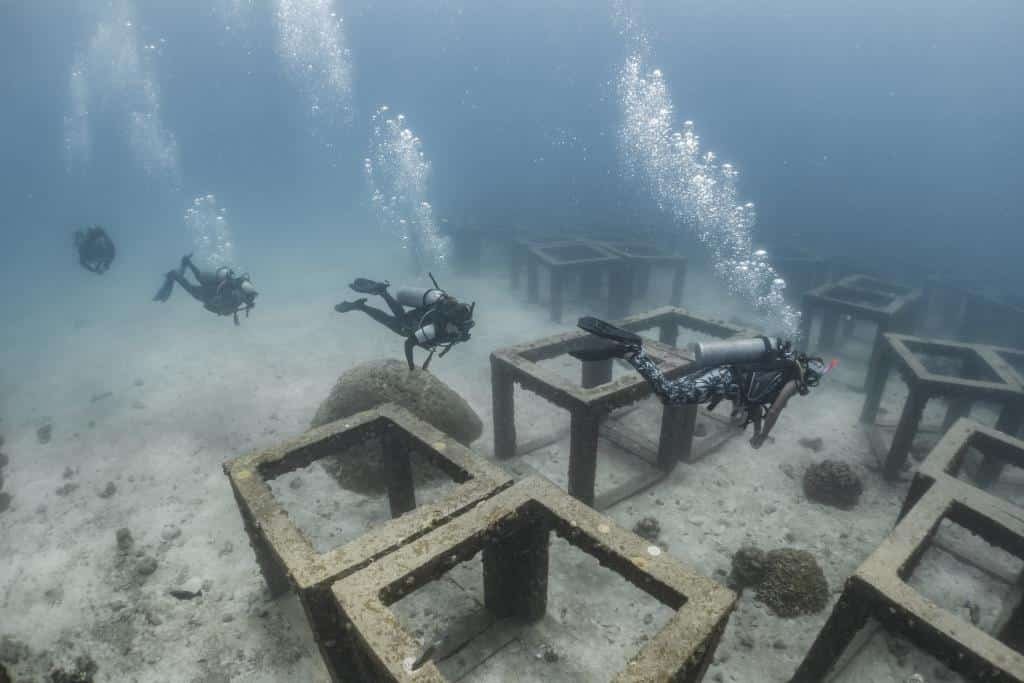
979,374
879,590
639,259
286,556
597,395
512,531
948,458
571,256
891,307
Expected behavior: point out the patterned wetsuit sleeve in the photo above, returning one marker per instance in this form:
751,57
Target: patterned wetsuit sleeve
698,387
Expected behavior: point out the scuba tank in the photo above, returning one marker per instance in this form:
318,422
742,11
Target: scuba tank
418,298
736,352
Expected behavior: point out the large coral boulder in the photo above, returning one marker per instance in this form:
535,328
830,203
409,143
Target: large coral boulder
793,583
834,483
371,384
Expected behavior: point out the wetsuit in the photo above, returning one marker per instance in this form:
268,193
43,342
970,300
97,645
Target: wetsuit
95,250
220,291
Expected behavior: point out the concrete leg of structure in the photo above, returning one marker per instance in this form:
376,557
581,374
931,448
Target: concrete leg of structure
532,285
668,334
503,407
590,283
271,569
678,282
958,407
557,281
401,492
903,439
676,441
583,433
516,574
829,327
596,373
848,617
642,279
620,291
878,373
804,343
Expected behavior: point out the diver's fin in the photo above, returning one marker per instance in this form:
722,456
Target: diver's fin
164,293
364,286
608,331
346,306
597,354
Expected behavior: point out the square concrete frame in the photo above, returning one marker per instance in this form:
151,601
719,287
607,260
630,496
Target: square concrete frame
287,558
878,590
554,256
890,306
598,396
947,459
512,531
640,258
924,385
974,316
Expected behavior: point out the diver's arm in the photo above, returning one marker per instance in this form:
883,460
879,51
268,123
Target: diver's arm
773,413
698,387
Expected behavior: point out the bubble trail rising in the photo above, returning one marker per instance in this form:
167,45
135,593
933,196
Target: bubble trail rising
399,174
114,74
698,192
311,42
211,233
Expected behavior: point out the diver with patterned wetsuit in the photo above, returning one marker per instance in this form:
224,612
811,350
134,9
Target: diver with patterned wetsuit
760,389
435,319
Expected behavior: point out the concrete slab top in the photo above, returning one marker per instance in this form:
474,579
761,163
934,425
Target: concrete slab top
476,480
1001,382
702,605
642,252
865,296
571,253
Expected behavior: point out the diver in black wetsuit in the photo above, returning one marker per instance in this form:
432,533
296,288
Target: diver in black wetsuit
759,387
95,249
220,291
435,319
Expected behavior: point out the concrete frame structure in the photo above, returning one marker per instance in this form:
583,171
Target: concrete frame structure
597,396
512,532
946,460
287,558
1003,387
640,258
568,256
890,306
878,589
974,317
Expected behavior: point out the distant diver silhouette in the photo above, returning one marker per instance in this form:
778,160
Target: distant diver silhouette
95,249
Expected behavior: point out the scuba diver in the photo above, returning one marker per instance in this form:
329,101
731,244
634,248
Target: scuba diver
758,375
220,291
435,319
95,249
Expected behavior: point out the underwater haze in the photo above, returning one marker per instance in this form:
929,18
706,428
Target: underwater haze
308,143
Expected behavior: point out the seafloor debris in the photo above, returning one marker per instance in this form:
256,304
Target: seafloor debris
83,670
815,444
45,433
648,528
793,583
748,567
146,565
124,539
109,490
833,483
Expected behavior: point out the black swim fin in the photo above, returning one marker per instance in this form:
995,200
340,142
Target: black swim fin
164,293
604,352
364,286
346,306
608,331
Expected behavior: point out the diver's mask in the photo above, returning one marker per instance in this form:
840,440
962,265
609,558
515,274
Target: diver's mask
815,369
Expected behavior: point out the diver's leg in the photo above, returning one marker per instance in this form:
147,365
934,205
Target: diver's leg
197,291
186,263
393,323
698,387
395,307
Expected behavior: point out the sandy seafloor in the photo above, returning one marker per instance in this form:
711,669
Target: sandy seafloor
190,391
